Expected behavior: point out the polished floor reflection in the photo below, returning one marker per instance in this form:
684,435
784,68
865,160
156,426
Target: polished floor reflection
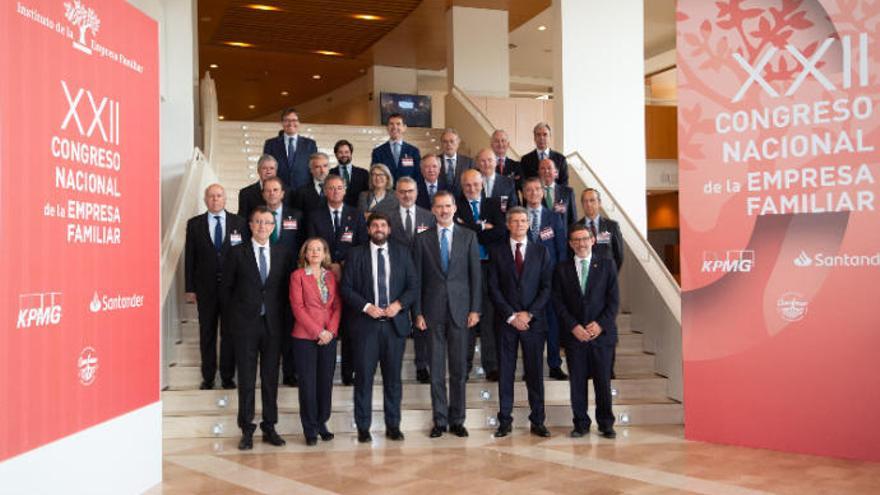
642,460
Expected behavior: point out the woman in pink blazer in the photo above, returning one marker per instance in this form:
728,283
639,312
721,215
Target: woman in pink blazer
314,298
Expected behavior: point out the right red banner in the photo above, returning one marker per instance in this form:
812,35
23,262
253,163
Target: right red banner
780,230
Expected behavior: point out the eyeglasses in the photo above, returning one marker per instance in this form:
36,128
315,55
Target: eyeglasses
290,121
263,222
580,239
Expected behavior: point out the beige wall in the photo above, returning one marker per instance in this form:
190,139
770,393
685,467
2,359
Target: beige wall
517,116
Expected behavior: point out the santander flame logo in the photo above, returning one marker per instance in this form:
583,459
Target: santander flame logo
803,260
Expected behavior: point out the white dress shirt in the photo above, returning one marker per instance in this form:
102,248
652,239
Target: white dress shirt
266,252
448,236
374,257
212,225
577,265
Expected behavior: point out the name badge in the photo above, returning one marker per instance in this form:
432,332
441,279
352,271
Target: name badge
347,236
503,204
547,233
559,207
289,224
407,162
235,238
604,237
421,228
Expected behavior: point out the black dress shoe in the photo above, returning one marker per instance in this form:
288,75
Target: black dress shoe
364,436
539,430
291,381
206,385
246,442
458,430
423,376
272,437
228,384
394,434
492,376
502,431
579,432
558,374
608,433
311,441
326,435
437,431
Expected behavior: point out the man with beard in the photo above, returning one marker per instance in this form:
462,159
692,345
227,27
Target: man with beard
356,179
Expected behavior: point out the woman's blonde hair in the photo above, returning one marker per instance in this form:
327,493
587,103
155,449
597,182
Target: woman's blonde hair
325,263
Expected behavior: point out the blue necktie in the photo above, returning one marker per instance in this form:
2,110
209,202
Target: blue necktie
383,288
264,274
432,190
395,150
444,250
291,150
475,207
218,233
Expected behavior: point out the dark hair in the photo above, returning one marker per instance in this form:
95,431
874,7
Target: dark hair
577,227
287,111
532,179
397,115
274,179
340,143
443,193
376,216
259,210
585,191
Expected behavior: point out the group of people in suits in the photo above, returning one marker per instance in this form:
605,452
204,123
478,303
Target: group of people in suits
440,248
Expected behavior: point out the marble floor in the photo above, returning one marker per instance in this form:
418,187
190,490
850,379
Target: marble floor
642,460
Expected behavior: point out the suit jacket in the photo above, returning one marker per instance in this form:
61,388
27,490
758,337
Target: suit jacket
599,304
306,198
244,294
313,315
530,164
490,211
357,285
552,234
422,221
366,197
503,188
202,263
454,294
352,232
424,199
512,169
249,198
298,174
609,242
293,229
382,154
359,182
462,163
528,292
563,204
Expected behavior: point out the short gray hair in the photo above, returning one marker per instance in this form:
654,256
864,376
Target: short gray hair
516,210
541,125
407,180
266,158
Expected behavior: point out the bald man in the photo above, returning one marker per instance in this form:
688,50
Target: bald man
496,185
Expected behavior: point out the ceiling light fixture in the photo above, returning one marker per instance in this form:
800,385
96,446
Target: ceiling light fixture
329,53
238,44
284,93
316,76
221,117
252,107
263,7
214,66
542,28
367,17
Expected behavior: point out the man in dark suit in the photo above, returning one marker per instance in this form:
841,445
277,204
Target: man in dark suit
609,241
291,151
431,181
379,285
254,288
357,180
289,230
496,185
557,197
408,220
448,264
209,237
531,160
252,196
484,217
520,278
453,164
402,158
311,196
505,165
586,298
343,227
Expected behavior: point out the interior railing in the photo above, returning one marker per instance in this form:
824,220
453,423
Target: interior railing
210,114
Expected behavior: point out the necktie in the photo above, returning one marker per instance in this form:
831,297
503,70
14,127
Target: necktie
450,170
408,224
264,274
593,229
218,233
585,272
444,250
395,150
548,196
518,259
535,224
475,208
291,150
501,166
432,190
274,237
335,221
383,287
321,189
490,181
542,155
346,175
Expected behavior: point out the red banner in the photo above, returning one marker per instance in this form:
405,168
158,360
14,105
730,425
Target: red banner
79,185
778,133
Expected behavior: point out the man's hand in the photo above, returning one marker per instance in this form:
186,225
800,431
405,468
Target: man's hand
580,333
487,226
392,309
421,324
190,297
324,337
594,330
473,319
521,321
375,311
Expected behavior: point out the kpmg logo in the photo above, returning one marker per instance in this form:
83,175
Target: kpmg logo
39,309
738,260
792,306
83,18
87,366
843,260
115,303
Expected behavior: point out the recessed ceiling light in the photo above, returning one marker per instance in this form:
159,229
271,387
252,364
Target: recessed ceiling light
284,93
263,7
238,44
542,28
214,66
316,76
367,17
252,107
328,53
221,117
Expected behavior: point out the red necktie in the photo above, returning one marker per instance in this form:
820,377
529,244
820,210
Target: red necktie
501,166
518,260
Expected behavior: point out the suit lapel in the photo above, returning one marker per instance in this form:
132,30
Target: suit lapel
369,260
593,273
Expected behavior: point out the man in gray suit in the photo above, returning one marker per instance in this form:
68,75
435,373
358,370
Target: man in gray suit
448,264
452,163
408,220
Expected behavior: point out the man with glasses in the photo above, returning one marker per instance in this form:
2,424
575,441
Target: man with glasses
291,151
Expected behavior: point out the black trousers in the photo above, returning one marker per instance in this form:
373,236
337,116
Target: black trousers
210,316
377,345
586,360
315,365
346,345
288,356
486,329
255,344
421,343
533,362
448,341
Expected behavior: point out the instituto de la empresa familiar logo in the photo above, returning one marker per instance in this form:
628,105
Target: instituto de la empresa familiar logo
85,19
